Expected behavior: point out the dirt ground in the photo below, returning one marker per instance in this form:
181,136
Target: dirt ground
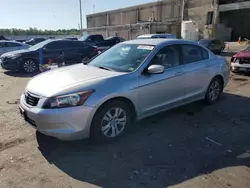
195,146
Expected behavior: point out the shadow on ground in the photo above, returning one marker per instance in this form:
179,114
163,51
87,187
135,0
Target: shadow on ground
162,150
19,74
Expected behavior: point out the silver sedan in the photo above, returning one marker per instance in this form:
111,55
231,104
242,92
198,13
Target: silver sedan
128,82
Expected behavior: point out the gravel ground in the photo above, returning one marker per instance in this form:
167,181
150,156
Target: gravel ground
195,146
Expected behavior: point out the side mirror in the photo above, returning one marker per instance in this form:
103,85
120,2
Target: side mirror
155,69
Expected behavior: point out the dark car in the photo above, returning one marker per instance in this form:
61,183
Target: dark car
52,50
34,41
214,45
100,42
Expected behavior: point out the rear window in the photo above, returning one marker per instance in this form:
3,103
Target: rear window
191,53
205,42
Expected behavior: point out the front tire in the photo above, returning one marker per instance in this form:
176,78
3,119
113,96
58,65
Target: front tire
29,66
214,90
111,121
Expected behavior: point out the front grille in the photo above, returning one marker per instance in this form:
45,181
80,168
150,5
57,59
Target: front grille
31,99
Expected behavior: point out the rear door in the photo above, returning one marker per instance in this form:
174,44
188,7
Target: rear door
76,51
53,51
197,70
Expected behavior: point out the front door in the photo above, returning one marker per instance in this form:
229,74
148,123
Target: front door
158,92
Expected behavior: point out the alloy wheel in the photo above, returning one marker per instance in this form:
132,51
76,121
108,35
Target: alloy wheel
114,122
214,90
29,66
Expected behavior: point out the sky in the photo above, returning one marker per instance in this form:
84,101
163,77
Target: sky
54,14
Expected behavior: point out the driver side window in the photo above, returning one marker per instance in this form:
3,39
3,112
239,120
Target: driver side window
167,57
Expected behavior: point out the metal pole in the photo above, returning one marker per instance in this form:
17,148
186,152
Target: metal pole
80,1
182,4
216,15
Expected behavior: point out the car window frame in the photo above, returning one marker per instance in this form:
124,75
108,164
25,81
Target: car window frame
200,47
55,49
17,45
158,50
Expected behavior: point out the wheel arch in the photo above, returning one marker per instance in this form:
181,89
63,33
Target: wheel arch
119,98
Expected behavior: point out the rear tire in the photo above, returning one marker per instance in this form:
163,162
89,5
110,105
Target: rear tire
29,66
111,121
214,90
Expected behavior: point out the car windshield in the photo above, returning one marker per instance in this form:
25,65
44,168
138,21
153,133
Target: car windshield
40,45
122,57
248,48
205,42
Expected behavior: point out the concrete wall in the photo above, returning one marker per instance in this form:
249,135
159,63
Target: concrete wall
132,31
197,11
158,10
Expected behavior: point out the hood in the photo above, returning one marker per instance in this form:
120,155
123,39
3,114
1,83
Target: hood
17,52
242,54
62,79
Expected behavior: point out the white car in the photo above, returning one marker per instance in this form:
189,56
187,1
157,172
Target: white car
8,46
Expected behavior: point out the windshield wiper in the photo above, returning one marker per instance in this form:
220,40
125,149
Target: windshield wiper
105,68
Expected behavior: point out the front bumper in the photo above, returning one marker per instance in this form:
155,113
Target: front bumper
236,67
10,64
65,124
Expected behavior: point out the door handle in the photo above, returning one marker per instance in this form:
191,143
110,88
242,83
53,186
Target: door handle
178,73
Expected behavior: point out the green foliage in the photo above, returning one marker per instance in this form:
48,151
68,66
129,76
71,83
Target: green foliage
35,31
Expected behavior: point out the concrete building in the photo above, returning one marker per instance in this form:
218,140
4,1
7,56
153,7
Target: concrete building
223,19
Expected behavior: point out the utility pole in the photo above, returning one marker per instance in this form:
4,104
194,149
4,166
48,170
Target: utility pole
216,16
80,1
182,9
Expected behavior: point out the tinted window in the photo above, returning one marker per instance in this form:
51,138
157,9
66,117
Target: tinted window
56,45
3,45
39,40
205,54
75,45
168,57
205,42
12,44
191,53
98,37
217,42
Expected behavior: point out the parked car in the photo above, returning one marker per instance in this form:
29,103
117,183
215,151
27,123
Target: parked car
99,41
215,45
34,41
8,46
28,60
240,62
128,82
2,37
157,36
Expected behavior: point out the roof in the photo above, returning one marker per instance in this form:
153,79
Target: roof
150,35
158,41
11,41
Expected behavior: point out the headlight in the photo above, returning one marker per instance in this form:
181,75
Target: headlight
14,56
65,101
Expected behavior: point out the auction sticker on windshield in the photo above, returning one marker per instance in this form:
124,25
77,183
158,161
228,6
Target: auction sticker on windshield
144,47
